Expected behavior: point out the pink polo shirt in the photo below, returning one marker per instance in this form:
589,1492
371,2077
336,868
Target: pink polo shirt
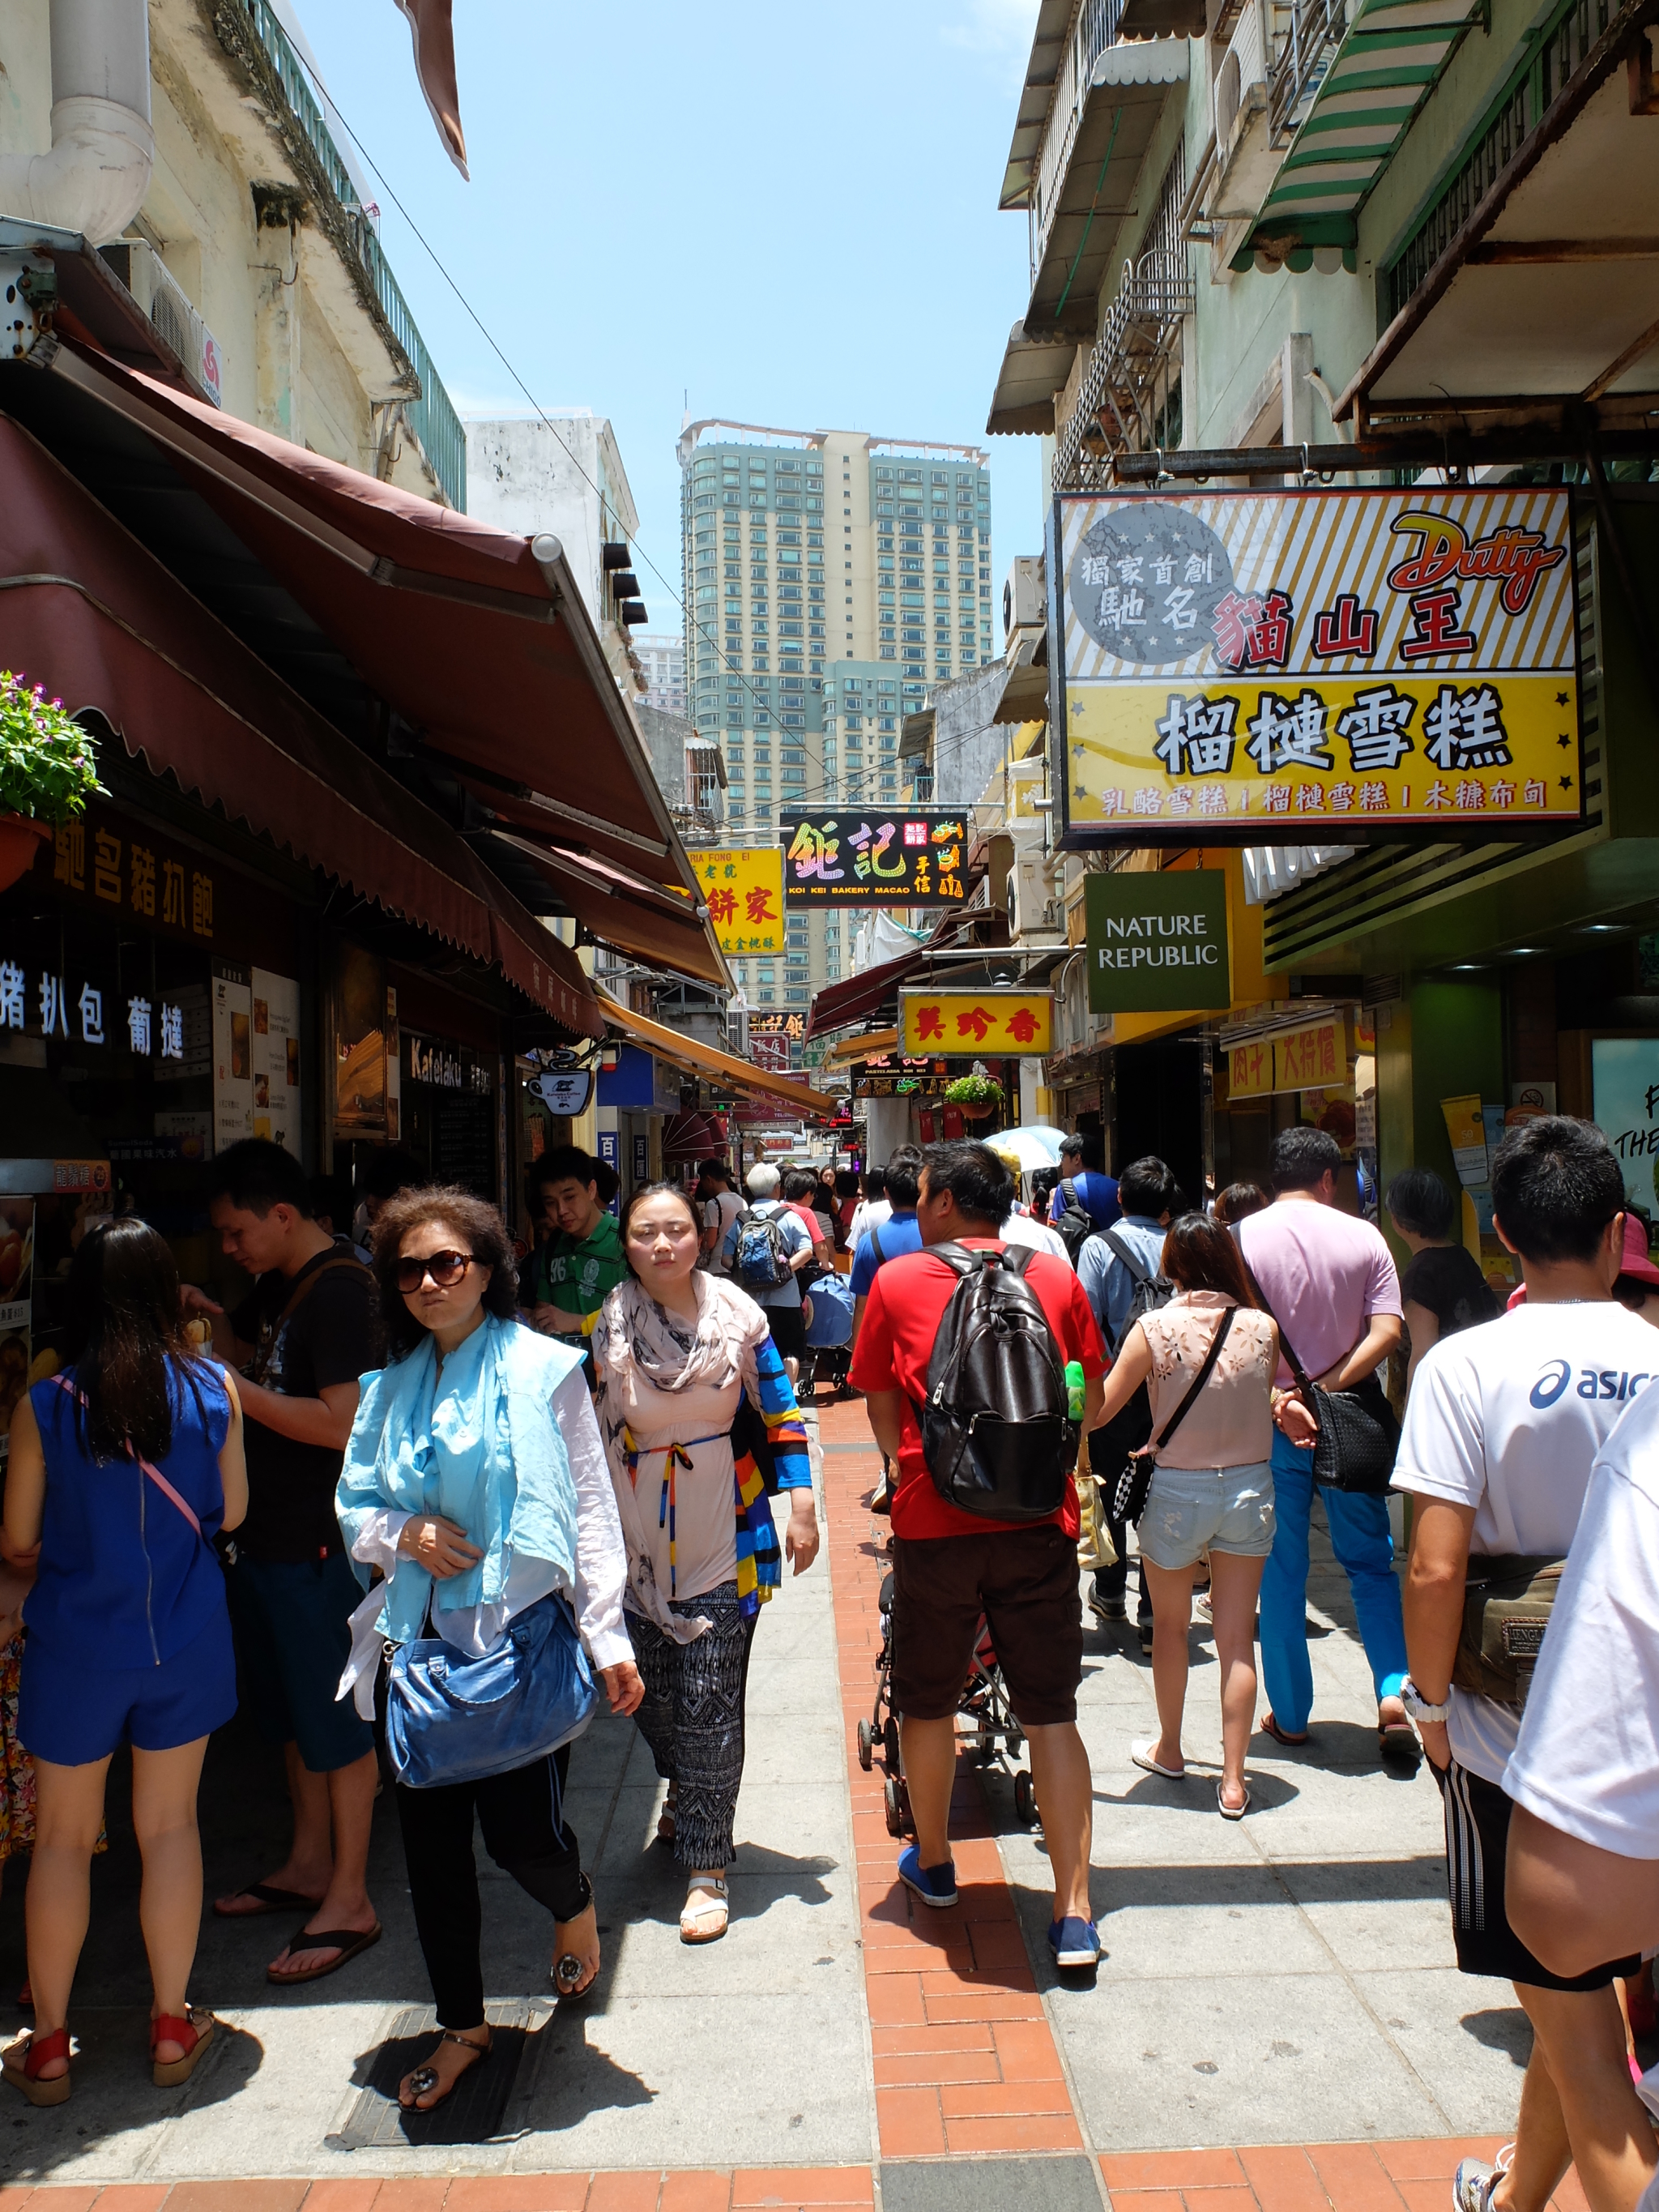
1323,1273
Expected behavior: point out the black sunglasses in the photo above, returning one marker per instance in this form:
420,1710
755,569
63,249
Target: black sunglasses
445,1269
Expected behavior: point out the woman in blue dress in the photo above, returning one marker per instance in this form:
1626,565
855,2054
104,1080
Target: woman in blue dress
123,1469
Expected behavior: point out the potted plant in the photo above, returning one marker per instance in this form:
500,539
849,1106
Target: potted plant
47,772
978,1096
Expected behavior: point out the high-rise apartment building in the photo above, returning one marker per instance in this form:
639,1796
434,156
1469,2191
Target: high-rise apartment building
831,580
663,659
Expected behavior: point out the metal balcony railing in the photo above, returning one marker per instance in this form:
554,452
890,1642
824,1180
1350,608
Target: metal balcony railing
1118,396
430,414
1306,36
1095,29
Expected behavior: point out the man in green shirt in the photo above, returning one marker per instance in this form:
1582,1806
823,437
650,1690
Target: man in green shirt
576,1267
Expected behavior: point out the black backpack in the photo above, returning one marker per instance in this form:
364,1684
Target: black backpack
995,1431
1075,1226
1111,1445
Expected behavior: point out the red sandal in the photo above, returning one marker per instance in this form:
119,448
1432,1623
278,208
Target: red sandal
23,2062
195,2033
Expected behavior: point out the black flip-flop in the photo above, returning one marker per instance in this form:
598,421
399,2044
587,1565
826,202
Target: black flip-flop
1270,1727
347,1942
271,1899
1396,1741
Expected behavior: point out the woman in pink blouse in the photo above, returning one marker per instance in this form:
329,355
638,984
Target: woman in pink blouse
1211,1488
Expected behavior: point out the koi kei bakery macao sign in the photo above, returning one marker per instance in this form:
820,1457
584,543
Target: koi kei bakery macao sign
1301,668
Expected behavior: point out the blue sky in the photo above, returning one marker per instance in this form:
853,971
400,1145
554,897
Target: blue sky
784,215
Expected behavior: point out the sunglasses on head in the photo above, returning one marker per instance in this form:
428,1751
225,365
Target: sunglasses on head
445,1269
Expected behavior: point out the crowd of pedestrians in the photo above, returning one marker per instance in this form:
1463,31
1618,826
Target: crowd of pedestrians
417,1514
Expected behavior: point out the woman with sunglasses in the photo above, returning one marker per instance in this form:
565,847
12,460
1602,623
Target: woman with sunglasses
682,1356
475,1482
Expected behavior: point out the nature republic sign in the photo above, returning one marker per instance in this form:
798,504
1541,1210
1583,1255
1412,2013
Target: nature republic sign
1295,667
1156,942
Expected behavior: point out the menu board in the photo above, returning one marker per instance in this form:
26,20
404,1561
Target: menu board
233,1055
275,1048
463,1144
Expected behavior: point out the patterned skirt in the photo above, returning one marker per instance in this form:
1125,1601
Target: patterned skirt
16,1767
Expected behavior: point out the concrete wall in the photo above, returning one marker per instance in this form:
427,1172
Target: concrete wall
968,747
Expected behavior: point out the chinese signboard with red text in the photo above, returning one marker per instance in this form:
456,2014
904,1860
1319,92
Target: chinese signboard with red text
971,1025
868,856
1301,668
743,886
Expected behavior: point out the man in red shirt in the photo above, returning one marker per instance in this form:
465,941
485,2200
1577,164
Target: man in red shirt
949,1566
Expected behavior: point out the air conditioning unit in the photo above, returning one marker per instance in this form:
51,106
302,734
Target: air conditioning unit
1025,596
1035,913
1246,163
168,306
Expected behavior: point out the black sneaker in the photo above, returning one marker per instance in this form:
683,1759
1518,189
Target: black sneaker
1107,1608
1144,1630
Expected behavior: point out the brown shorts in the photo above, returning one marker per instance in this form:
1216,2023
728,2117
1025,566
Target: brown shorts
1024,1581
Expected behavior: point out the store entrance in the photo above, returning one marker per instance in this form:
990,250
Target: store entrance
1159,1107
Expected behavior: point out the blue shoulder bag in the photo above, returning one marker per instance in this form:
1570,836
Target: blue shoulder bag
453,1719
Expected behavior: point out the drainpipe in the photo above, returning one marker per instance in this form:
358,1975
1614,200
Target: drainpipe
95,177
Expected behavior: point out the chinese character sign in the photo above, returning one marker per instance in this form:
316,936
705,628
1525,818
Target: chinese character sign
857,856
743,888
1343,661
1314,1058
976,1025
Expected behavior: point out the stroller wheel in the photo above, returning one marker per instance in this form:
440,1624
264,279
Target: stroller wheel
889,1744
1025,1803
866,1745
896,1803
1014,1737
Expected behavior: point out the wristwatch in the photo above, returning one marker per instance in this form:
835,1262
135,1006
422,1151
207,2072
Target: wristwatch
1417,1706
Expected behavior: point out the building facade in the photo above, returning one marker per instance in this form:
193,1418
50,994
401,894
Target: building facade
663,659
831,580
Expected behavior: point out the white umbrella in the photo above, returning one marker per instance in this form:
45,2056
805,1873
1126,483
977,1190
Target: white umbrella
1033,1148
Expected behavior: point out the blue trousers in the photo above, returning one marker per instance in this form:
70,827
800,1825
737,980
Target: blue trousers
1365,1548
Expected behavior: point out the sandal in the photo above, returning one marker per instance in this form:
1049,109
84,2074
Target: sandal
1270,1727
692,1930
424,2079
194,2030
268,1898
566,1966
346,1943
23,2061
1396,1741
667,1826
1231,1812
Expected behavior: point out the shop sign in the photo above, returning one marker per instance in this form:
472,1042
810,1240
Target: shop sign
101,860
564,1090
743,888
971,1022
1157,941
453,1068
610,1154
46,1003
1624,1090
1275,667
1313,1058
790,1025
770,1050
848,857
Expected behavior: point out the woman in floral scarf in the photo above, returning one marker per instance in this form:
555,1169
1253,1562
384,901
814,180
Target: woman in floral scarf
682,1356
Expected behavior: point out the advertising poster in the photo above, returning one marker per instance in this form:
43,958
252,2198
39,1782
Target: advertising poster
1284,666
1624,1080
233,1055
275,1064
859,856
17,1274
359,1055
743,886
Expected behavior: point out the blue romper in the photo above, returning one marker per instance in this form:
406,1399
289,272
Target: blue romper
128,1631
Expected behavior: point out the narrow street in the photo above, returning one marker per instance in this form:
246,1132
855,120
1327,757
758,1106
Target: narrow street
1276,2023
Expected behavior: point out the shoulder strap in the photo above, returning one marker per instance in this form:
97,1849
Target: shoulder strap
1303,1383
154,1473
1200,1379
877,1253
1068,1191
958,1259
1141,1273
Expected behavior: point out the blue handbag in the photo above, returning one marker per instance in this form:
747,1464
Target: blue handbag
453,1719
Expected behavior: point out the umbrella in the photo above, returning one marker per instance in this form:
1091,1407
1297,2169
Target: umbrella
1033,1148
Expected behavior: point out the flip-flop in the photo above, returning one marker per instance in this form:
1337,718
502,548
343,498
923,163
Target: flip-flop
1231,1812
1141,1756
1396,1741
346,1941
269,1899
1270,1727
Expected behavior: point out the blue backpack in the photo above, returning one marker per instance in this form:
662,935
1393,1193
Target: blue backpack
762,1259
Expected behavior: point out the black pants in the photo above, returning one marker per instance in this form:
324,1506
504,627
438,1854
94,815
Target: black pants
524,1832
1114,1581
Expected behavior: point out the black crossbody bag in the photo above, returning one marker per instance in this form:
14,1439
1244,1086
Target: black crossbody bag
1129,1502
1358,1434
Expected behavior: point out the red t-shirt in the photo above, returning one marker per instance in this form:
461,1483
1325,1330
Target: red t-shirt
901,1318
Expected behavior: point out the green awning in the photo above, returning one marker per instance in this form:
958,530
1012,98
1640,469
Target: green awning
1353,120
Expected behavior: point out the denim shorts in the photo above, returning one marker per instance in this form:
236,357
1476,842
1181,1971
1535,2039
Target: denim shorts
1191,1509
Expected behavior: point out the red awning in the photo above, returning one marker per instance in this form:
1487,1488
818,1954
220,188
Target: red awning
840,1005
693,1137
487,655
650,921
88,612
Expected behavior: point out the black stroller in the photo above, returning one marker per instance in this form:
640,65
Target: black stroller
993,1734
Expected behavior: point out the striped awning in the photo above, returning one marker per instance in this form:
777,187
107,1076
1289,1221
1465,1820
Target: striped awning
1386,65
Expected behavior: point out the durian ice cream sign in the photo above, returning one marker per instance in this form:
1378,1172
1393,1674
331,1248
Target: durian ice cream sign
1311,667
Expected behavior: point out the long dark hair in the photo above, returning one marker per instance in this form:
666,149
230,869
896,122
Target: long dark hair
1201,1254
124,1324
482,1232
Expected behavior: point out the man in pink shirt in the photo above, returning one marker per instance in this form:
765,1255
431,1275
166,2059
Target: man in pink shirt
1332,1286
